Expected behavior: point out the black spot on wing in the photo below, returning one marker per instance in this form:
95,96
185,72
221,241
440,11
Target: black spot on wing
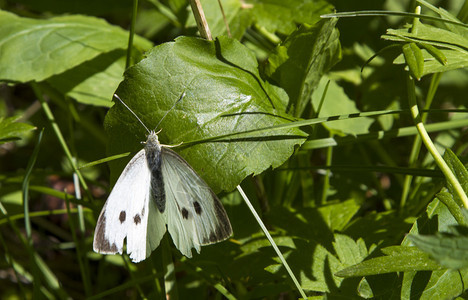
137,219
185,213
197,207
122,216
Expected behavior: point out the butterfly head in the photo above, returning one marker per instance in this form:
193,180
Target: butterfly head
152,142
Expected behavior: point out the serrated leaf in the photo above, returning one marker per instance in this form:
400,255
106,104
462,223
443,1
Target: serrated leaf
299,63
439,284
42,48
412,261
414,60
338,215
449,250
12,130
310,256
454,60
282,16
349,252
224,95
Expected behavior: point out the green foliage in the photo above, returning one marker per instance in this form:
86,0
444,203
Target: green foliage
12,130
309,115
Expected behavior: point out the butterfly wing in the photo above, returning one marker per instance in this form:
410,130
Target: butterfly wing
195,216
126,214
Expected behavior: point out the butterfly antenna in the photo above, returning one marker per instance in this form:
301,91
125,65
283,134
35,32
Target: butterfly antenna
181,97
115,95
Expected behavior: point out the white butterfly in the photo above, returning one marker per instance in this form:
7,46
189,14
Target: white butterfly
159,188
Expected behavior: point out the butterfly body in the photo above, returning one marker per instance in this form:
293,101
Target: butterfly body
157,190
153,159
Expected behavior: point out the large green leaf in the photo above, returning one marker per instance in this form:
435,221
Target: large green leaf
37,49
299,63
224,94
94,81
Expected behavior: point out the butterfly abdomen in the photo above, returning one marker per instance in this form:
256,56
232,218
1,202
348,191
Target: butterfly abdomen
153,159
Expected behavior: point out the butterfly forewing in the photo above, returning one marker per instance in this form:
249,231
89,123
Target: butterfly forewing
126,213
156,188
195,216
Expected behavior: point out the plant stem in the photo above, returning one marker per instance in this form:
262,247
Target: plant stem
417,141
430,146
58,133
131,34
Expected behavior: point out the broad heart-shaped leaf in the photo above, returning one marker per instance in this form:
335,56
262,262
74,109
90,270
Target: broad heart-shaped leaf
37,49
299,63
11,130
283,16
224,94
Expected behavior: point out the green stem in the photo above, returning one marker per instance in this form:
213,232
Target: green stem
25,188
131,34
58,133
83,268
430,146
326,181
417,141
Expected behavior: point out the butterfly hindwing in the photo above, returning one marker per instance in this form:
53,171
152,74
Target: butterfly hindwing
126,213
195,216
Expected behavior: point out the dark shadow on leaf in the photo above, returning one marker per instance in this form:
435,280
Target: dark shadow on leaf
309,230
220,56
419,283
69,79
244,139
328,274
428,225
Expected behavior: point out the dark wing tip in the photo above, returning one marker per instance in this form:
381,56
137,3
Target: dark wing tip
100,243
223,229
